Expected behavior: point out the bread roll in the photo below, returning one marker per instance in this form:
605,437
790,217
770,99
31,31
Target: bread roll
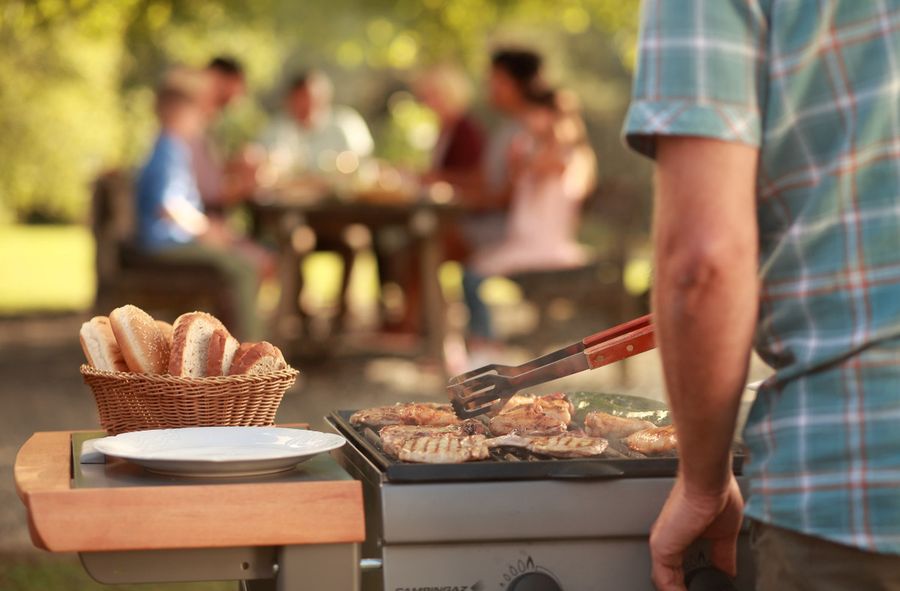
140,339
190,343
255,358
167,331
222,348
99,345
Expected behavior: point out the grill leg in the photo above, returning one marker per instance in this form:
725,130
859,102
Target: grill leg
326,567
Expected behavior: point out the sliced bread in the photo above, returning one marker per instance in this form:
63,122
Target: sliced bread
140,339
100,346
256,358
190,343
222,348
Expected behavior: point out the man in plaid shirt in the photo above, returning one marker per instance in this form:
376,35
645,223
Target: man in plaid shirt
775,129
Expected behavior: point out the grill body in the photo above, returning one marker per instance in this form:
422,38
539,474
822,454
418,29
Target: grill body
534,534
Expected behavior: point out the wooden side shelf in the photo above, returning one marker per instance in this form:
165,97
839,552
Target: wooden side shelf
193,515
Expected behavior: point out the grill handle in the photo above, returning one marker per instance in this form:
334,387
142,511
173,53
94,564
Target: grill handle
576,470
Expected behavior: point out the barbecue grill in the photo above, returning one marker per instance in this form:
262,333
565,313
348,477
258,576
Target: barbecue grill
511,523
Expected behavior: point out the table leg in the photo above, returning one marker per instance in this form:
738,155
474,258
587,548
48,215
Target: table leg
289,313
326,567
426,227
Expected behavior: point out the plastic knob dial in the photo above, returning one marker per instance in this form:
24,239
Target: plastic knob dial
534,582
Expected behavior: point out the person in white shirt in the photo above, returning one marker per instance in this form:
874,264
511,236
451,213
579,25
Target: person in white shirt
304,143
312,131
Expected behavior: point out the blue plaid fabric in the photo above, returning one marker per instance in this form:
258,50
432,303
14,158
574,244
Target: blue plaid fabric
815,84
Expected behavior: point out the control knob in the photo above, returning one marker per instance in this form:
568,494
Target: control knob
534,582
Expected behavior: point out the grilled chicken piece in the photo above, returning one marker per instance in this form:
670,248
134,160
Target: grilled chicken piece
557,405
439,448
601,424
654,441
411,413
393,437
528,419
532,415
567,445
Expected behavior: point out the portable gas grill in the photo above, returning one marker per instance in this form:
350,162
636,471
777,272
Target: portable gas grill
511,524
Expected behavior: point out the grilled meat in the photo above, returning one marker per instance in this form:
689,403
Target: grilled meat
393,437
443,448
557,405
601,424
412,413
653,441
567,445
532,415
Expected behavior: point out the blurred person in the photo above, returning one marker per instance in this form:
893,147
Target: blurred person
220,184
311,131
228,81
171,221
515,74
447,91
552,169
225,84
312,128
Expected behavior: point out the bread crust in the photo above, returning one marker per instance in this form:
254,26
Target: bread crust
140,339
167,330
190,343
96,334
222,350
255,358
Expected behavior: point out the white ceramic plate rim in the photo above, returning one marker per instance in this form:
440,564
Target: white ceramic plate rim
218,444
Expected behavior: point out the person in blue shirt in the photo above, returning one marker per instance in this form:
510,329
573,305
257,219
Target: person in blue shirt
171,221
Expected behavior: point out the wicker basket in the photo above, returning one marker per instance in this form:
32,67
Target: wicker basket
136,402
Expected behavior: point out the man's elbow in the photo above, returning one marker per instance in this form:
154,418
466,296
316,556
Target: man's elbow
692,268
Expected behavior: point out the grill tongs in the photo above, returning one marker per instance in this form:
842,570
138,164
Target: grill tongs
482,390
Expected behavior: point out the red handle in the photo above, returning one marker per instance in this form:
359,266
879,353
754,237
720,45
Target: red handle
616,331
620,342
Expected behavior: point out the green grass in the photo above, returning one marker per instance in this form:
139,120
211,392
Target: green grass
51,269
45,268
64,573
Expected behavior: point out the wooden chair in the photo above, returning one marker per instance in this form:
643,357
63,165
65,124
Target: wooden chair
125,275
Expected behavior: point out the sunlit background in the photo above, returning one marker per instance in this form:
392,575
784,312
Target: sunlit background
76,99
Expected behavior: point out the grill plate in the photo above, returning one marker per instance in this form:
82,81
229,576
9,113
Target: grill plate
493,469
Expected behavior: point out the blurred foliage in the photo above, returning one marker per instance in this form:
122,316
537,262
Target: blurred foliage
77,75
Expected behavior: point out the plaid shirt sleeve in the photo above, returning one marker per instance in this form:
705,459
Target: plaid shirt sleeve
700,72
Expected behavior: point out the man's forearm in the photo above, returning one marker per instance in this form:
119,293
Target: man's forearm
705,295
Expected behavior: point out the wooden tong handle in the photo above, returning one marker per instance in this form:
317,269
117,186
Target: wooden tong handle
620,342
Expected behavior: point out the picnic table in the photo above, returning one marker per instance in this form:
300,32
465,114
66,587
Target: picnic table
277,212
298,530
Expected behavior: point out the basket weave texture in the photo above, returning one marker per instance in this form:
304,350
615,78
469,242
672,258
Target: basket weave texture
137,402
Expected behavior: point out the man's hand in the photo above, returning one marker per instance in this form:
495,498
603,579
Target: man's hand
688,516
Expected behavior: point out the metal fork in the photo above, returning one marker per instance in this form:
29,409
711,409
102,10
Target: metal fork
484,389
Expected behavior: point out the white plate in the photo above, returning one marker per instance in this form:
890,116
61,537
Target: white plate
219,451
